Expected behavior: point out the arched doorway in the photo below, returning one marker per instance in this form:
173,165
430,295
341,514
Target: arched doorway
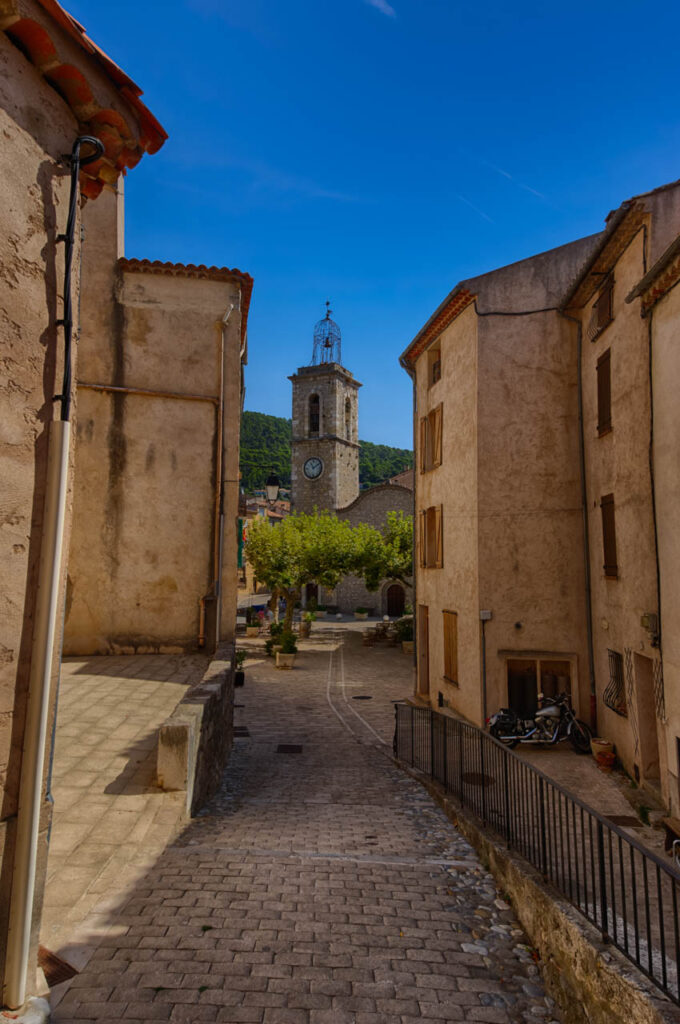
396,600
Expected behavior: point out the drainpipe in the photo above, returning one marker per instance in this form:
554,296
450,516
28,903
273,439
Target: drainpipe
44,633
411,372
218,514
586,534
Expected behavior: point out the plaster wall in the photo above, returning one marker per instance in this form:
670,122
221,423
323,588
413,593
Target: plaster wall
666,384
455,587
144,544
36,128
530,514
618,463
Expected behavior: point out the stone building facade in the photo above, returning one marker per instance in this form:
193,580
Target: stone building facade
325,468
325,446
541,531
371,507
55,85
152,565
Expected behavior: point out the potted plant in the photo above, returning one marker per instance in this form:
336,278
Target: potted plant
321,611
403,629
239,674
285,658
361,613
252,623
306,625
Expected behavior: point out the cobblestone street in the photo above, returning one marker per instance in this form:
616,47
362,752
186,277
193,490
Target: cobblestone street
321,885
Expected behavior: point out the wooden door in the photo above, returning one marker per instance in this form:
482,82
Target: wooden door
423,651
396,600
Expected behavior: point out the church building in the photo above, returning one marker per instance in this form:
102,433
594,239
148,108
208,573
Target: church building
325,466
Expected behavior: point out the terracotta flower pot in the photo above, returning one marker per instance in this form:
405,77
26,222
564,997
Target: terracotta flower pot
407,646
252,630
284,660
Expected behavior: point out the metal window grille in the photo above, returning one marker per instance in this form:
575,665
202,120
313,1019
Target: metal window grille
659,693
614,695
630,695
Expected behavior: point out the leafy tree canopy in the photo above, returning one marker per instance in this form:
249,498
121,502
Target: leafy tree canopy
265,446
321,548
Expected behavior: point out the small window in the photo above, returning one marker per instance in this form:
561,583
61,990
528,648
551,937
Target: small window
604,393
431,440
451,647
431,538
614,695
348,419
314,414
611,569
434,365
602,312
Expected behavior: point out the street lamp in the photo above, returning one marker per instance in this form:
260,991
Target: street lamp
272,486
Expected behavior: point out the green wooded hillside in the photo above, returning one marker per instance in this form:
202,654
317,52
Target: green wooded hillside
265,445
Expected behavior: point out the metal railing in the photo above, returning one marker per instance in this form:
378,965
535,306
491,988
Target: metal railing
625,890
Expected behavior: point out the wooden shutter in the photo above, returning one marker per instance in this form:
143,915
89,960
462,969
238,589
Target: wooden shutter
604,393
611,569
439,540
421,538
451,647
423,443
437,436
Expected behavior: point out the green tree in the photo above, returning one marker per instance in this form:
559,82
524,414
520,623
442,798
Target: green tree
317,548
387,555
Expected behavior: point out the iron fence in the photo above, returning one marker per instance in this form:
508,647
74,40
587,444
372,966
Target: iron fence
623,889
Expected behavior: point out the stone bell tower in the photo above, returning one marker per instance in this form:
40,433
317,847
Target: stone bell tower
325,450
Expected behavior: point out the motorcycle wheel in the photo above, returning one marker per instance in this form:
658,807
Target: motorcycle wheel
504,735
579,737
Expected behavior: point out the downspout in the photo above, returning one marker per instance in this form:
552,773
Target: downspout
586,532
652,480
45,638
218,510
410,371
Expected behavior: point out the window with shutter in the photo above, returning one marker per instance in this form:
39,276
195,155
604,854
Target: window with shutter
603,310
611,569
604,393
423,444
436,415
439,539
422,538
451,647
434,365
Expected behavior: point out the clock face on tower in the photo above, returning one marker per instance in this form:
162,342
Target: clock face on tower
313,468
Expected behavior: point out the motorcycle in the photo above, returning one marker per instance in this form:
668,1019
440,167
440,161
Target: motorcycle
554,721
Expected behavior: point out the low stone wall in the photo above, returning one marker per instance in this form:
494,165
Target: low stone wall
590,981
194,743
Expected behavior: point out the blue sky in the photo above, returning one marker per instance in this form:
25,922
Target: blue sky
375,153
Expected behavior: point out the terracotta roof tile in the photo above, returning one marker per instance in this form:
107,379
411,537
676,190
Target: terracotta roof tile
459,300
125,141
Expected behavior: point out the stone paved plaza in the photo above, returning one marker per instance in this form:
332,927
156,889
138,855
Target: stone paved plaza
110,820
318,887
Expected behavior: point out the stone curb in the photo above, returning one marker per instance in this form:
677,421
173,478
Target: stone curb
194,743
590,981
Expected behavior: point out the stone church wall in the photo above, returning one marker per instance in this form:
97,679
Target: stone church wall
371,507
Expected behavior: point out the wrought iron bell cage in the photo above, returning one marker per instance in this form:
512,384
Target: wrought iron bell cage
327,340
